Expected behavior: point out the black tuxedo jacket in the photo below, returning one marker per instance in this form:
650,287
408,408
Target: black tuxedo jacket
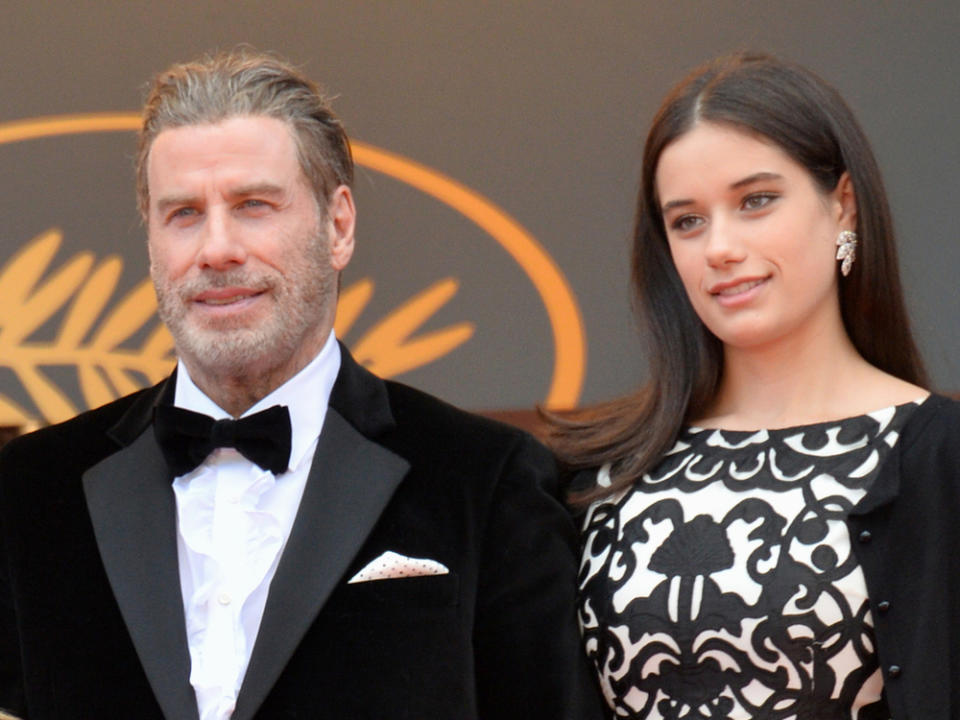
91,615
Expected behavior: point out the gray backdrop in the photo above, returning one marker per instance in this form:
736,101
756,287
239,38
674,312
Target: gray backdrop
541,107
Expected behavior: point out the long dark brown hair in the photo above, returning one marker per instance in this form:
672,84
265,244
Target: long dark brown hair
806,118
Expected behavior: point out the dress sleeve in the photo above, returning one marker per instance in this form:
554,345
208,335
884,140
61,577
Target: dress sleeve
530,662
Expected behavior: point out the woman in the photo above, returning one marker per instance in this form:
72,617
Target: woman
772,532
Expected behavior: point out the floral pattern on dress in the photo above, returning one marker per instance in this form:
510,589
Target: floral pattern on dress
723,584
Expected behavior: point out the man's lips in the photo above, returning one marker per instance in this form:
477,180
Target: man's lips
225,296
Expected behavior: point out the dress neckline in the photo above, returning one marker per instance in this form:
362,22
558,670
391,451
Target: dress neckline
872,414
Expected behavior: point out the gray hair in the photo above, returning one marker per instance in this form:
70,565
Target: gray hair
246,82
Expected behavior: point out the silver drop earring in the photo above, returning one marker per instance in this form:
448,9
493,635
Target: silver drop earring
846,250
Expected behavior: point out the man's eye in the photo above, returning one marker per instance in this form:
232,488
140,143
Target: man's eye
253,203
183,212
758,200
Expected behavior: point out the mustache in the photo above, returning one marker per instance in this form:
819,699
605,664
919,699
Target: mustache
214,279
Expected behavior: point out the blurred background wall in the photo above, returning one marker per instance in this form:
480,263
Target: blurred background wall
498,150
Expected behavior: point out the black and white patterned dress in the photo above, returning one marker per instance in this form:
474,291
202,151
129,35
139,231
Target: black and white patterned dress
722,585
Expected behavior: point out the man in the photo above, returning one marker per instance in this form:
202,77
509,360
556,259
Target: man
361,550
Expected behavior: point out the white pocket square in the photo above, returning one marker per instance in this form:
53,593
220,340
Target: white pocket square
394,565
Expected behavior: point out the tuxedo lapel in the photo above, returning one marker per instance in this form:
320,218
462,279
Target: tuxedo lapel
133,511
351,480
132,507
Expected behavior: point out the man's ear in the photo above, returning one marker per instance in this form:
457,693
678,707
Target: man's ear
341,222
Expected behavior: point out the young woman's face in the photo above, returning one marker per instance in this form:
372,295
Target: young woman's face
752,236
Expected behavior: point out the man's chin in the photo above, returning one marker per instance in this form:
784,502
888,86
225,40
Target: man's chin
238,350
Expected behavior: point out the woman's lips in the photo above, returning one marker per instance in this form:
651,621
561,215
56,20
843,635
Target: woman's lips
737,292
739,287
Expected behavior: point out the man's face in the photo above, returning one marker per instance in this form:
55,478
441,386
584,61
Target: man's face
243,261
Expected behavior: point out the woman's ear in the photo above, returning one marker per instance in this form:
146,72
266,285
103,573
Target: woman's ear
845,202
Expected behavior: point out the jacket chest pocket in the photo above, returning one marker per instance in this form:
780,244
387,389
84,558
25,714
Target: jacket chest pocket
401,595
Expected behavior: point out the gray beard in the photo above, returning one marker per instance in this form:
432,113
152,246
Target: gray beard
302,298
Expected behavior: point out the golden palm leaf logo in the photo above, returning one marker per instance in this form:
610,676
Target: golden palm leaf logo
94,338
389,347
30,295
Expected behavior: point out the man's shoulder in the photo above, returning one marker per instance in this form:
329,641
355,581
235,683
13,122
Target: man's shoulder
375,406
431,426
416,408
81,440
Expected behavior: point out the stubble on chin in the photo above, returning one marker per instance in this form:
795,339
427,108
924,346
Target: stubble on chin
207,342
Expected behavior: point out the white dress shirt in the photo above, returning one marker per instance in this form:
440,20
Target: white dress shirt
233,520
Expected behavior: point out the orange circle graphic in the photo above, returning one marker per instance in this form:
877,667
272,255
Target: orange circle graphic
566,321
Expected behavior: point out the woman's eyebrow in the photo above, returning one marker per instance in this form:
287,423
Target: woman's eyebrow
755,177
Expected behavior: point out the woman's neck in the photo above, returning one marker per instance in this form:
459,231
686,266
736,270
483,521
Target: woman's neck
797,383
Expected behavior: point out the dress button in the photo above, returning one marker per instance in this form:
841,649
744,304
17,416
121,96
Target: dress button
865,536
224,599
883,605
893,671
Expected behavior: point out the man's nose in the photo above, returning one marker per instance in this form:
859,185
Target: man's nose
222,244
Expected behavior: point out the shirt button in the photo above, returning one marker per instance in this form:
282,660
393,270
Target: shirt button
224,599
893,671
883,605
865,536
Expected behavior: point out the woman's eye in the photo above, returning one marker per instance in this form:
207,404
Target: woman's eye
758,200
686,223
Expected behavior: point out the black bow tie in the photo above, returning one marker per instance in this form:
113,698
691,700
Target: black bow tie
187,437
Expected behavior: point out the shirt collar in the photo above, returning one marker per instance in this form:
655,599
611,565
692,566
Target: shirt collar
306,395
